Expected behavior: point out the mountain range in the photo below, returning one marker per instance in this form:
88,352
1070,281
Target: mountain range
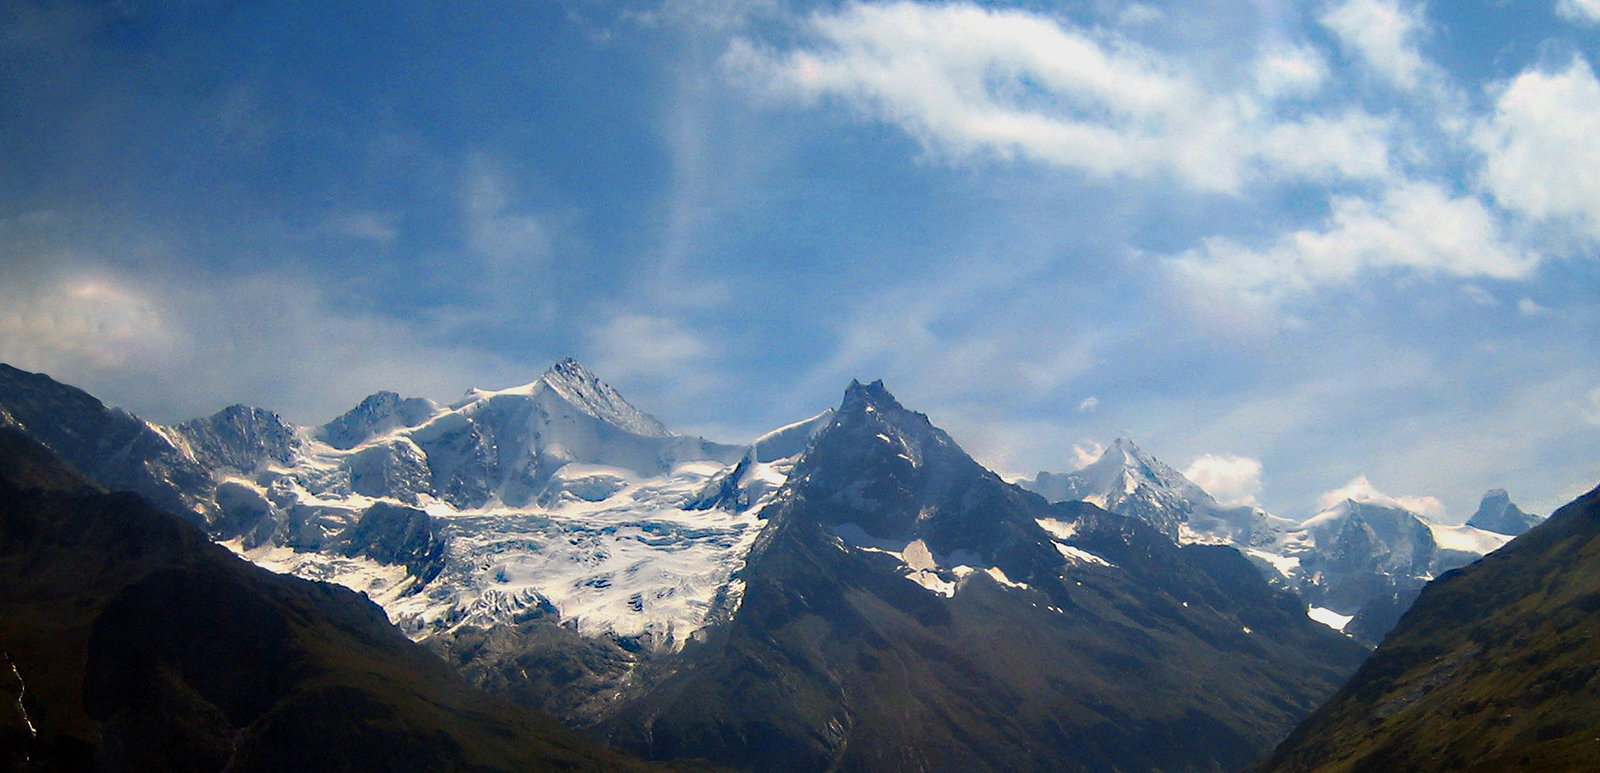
849,592
1357,564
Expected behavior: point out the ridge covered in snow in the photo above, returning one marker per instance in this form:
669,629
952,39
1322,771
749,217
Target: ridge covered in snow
1126,480
1368,554
557,495
558,498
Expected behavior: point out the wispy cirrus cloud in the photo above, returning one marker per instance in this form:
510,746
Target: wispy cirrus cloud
973,83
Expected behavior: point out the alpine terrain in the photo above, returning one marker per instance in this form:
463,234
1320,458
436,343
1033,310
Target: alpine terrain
848,592
906,609
1358,564
1492,669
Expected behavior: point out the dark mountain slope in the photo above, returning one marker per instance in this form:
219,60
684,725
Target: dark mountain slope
1109,649
109,445
1493,668
137,644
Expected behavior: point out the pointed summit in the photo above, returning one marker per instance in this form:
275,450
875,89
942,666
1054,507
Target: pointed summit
585,391
380,413
241,438
1129,482
868,397
891,474
1496,513
576,385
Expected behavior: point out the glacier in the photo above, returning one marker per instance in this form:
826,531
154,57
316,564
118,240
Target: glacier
554,495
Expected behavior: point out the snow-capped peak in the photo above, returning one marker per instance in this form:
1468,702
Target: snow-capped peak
378,414
1128,481
586,391
583,390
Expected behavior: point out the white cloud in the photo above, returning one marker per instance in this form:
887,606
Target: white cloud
1137,14
1531,307
1231,480
1541,147
1085,454
1581,11
370,226
1480,296
636,345
704,15
173,346
1290,70
970,82
1089,404
1385,34
1353,146
1589,407
1360,489
1416,226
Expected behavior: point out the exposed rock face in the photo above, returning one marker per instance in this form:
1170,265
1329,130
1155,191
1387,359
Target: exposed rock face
109,445
240,439
1496,513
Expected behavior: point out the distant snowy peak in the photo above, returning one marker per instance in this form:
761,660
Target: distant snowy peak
586,392
1127,481
1369,558
240,438
1126,464
1496,513
1388,530
377,415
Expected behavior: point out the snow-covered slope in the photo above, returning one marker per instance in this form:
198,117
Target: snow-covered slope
906,609
1355,551
556,495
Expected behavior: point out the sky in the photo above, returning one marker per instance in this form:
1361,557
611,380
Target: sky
1300,250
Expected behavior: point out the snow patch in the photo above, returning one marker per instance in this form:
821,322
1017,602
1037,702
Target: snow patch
1061,530
1074,553
1288,566
1329,618
1467,539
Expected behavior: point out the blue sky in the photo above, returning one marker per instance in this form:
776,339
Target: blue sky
1299,249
